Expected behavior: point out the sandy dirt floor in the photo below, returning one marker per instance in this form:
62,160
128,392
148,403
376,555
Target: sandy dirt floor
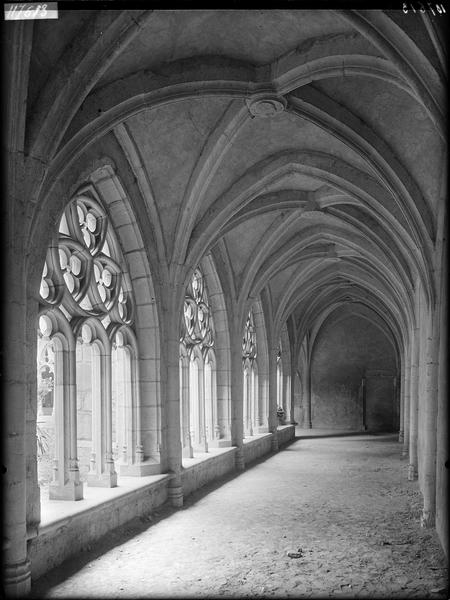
328,516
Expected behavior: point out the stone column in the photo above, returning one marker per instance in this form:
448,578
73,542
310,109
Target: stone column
252,400
187,449
33,490
171,403
237,398
66,484
273,419
414,406
139,448
442,488
203,419
401,429
74,472
292,389
287,395
102,472
16,48
406,401
429,427
307,422
109,470
17,573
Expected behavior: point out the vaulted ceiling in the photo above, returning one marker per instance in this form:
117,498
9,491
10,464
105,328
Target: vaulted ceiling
304,148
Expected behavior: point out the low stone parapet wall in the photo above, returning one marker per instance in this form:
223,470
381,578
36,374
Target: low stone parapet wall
68,528
257,446
64,536
285,434
197,472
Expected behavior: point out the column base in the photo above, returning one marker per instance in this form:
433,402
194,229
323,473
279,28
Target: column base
69,491
140,469
428,519
405,452
412,473
17,580
239,459
106,480
176,496
401,437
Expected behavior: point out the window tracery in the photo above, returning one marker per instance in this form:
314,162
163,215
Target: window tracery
250,379
199,425
83,271
249,339
197,325
86,302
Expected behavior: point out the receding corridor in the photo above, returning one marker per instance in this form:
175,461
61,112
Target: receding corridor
340,504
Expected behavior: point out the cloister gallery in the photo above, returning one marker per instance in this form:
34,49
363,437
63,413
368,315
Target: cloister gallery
218,224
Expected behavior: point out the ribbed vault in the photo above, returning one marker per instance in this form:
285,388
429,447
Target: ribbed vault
263,149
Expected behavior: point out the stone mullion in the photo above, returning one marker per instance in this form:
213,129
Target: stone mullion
260,409
250,395
215,434
193,401
202,408
254,397
71,388
273,400
244,402
136,407
207,394
128,407
292,389
108,470
286,395
97,446
103,474
307,422
124,418
66,484
185,410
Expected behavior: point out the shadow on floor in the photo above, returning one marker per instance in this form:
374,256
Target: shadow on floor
129,530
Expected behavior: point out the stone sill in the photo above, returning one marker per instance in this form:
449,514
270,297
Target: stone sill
201,457
55,513
255,437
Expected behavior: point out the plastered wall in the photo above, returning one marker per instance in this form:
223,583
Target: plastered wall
346,350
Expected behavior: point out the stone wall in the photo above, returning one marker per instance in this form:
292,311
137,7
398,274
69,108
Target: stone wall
254,448
198,475
70,535
285,434
345,352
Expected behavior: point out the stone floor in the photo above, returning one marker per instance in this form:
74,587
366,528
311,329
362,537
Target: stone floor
329,516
